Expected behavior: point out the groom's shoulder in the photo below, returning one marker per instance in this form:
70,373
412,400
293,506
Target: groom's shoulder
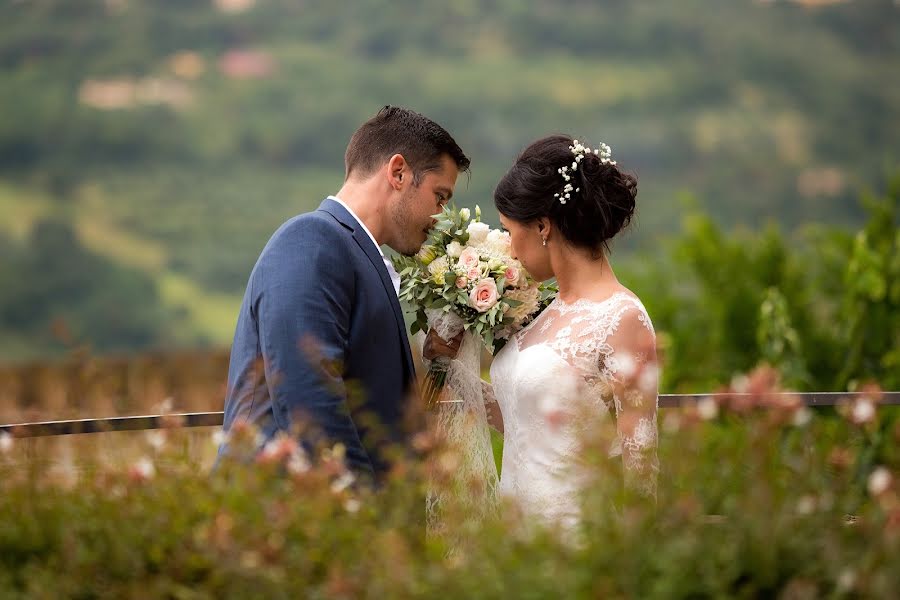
315,226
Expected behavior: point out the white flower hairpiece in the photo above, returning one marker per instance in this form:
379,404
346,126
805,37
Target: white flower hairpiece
580,150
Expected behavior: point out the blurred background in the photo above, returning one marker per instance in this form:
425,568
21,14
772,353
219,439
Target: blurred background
149,149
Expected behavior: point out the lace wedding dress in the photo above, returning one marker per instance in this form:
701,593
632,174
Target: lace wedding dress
598,357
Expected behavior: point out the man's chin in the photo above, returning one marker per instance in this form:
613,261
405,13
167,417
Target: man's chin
413,250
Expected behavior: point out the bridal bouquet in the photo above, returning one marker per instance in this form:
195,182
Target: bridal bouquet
464,279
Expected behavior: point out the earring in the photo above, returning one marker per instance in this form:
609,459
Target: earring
544,240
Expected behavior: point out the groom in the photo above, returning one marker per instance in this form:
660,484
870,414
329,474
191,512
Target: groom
320,338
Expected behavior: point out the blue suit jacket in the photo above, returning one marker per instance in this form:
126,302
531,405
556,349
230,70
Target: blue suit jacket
321,338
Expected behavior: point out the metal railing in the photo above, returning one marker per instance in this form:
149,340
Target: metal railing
214,419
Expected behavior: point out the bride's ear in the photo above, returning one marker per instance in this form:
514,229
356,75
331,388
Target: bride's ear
544,227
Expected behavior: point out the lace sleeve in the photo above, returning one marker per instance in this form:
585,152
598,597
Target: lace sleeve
488,390
492,407
631,368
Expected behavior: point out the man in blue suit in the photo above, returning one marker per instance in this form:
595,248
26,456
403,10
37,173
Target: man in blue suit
320,338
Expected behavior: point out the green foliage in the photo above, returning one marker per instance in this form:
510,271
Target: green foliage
733,102
760,109
870,309
778,341
60,294
760,503
822,305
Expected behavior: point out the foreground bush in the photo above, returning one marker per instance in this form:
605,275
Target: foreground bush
757,497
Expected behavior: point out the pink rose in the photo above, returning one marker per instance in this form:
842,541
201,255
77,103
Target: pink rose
484,295
474,272
461,282
469,258
512,276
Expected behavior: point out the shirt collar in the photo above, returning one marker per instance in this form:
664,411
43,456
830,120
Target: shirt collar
361,224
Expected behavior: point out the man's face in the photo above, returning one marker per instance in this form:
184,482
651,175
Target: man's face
411,213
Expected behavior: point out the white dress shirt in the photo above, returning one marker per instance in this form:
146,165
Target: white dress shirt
395,277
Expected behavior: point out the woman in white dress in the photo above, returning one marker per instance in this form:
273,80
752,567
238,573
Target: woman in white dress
591,352
589,359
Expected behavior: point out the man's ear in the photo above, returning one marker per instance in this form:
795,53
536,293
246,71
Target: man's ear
397,171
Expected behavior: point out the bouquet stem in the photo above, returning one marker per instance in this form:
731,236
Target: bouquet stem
435,379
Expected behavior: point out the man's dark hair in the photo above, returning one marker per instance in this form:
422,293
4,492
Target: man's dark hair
395,130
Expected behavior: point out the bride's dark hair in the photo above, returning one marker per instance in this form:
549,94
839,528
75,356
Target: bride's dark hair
591,217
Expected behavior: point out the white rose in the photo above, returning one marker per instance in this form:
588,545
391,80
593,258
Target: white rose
454,249
478,232
498,243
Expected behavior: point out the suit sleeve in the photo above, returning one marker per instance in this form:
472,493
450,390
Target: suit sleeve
304,296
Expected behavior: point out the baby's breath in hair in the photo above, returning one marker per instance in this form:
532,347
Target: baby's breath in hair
580,150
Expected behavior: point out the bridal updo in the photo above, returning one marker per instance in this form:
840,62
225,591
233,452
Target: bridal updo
533,187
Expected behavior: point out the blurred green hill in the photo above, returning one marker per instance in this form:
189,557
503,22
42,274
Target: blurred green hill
159,144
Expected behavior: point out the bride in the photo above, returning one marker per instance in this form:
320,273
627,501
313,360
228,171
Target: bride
592,350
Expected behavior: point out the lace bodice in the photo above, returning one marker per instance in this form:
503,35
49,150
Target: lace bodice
582,358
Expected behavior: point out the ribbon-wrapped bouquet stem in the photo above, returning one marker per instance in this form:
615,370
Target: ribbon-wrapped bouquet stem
465,280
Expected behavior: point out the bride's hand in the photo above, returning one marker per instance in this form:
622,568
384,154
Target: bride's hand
435,346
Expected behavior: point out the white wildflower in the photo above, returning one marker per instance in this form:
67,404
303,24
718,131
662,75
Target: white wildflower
863,411
802,417
740,384
343,482
219,437
806,505
165,406
298,463
846,580
708,408
879,481
156,439
143,469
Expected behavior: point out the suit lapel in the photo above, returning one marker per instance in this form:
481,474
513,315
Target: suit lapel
340,213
